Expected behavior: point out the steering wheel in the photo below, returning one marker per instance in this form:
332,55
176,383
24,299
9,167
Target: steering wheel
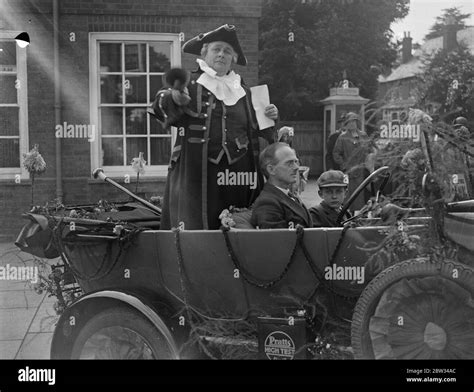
361,187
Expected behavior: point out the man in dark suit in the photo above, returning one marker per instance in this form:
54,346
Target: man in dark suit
276,207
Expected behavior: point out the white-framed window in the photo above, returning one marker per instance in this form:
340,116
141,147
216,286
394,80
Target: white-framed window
13,107
126,71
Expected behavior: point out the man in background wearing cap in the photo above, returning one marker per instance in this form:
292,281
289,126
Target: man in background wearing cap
350,153
217,140
330,162
332,186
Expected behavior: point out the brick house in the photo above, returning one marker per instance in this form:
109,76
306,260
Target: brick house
398,90
89,82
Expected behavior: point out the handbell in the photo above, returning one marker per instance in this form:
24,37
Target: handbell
176,78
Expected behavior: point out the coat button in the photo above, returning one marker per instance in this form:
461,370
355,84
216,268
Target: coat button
193,82
225,130
205,115
204,128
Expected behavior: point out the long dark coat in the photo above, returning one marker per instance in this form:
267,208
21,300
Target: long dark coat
191,194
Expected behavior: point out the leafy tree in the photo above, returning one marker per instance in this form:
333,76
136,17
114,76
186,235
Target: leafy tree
453,14
448,79
306,46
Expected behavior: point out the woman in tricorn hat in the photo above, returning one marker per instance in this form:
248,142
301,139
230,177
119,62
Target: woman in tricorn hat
214,162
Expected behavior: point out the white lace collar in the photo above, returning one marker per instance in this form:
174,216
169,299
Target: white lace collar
226,88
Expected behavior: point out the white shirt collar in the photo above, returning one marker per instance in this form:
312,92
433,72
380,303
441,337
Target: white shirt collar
227,88
285,191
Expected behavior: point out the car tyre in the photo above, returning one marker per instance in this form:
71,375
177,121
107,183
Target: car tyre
416,309
122,333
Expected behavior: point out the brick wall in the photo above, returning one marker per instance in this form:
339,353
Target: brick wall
201,8
81,17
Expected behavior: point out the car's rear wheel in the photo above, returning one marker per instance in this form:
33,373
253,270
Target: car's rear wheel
122,333
416,309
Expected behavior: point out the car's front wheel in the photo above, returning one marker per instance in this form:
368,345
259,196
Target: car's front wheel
122,333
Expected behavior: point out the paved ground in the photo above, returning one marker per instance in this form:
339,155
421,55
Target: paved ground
27,319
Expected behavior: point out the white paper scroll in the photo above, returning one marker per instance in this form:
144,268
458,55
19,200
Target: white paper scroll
260,100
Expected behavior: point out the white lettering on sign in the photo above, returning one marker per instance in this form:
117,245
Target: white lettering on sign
279,345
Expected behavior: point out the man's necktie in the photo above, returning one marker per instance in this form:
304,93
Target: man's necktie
295,197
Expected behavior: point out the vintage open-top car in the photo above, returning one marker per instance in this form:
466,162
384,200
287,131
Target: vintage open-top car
147,293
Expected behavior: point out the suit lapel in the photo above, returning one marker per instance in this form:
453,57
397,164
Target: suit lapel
298,209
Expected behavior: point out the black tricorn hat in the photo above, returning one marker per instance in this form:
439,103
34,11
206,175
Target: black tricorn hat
225,33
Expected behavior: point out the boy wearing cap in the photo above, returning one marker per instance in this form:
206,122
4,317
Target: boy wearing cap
333,185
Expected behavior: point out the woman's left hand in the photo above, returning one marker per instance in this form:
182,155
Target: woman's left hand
271,111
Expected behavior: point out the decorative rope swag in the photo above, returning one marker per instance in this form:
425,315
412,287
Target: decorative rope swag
192,314
299,243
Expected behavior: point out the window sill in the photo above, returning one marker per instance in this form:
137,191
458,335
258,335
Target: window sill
9,181
121,180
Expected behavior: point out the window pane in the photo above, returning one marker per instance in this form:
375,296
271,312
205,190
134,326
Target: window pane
8,92
135,89
111,89
112,149
136,145
135,57
160,54
9,123
110,57
156,83
9,153
111,121
7,56
160,150
135,121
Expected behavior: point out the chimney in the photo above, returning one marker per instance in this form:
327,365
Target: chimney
406,47
449,38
